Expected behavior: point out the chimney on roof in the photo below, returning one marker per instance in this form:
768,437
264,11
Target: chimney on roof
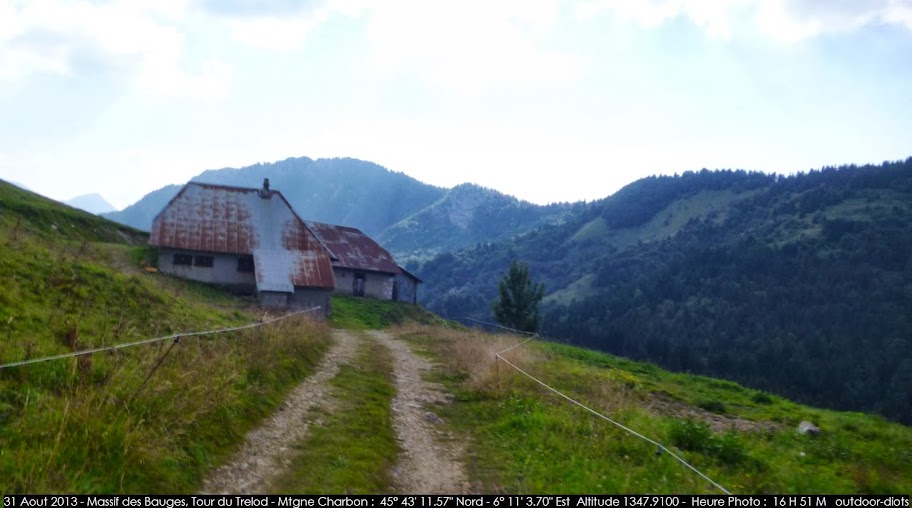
265,193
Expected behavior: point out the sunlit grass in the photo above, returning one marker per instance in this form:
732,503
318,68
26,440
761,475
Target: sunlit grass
524,439
149,418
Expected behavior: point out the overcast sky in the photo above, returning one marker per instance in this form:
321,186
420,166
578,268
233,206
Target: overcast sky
545,100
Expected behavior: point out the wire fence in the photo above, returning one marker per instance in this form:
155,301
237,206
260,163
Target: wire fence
499,357
174,336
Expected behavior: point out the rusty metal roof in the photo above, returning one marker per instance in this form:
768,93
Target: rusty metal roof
350,248
235,220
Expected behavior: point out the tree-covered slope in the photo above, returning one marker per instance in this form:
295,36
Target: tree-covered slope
798,285
466,215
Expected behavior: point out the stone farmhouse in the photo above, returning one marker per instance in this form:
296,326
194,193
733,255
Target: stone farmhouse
251,241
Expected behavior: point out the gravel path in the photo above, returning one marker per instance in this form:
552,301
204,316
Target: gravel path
429,464
268,448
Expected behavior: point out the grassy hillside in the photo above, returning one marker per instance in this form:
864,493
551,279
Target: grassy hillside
796,285
156,417
149,418
26,216
521,438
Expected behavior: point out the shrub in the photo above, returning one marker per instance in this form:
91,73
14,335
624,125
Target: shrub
696,436
690,435
762,398
712,405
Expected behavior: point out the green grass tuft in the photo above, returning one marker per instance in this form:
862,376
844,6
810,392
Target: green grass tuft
369,314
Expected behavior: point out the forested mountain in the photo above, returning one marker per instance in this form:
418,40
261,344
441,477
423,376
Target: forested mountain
411,218
800,285
339,191
466,215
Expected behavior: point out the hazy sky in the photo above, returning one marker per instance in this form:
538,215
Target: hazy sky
545,100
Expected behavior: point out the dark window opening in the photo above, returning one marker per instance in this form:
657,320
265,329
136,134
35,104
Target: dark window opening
183,259
204,261
245,264
358,285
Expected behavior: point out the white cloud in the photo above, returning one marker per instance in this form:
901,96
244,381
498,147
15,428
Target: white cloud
285,26
470,46
714,16
142,40
793,20
276,33
899,12
467,46
785,21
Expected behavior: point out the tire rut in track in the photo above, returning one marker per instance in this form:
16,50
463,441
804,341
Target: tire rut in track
429,464
268,448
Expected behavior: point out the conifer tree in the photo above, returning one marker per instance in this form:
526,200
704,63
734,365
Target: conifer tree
517,303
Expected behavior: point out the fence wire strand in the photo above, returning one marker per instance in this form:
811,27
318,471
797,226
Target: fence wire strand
499,357
156,339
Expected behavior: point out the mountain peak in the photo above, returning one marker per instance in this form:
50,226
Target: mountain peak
92,203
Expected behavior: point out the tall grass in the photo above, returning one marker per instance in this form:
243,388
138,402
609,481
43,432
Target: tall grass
473,354
524,439
115,421
103,428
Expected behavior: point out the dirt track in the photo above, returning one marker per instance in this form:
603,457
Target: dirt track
267,449
428,463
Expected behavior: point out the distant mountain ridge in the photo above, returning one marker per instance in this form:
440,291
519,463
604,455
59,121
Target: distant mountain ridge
465,215
404,214
798,285
140,214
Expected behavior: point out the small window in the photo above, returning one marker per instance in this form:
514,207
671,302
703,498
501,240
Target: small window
204,261
245,264
183,259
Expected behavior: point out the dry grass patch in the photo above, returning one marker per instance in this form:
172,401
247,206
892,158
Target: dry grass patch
472,354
